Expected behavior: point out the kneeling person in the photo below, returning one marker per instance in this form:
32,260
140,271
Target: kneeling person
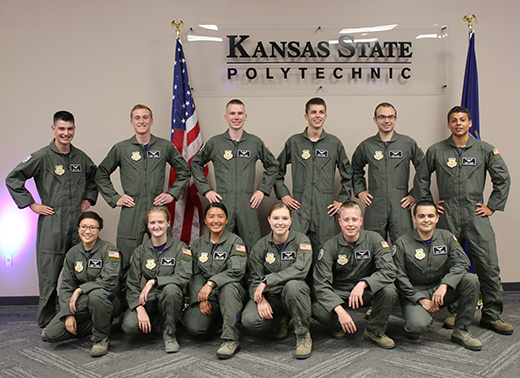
89,288
432,272
216,294
354,269
165,264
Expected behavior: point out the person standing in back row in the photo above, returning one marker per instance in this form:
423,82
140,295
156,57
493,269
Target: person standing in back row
314,156
388,155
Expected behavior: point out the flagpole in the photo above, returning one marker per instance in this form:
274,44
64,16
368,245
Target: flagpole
469,18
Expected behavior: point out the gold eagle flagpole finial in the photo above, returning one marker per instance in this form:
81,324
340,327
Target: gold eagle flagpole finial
177,24
469,18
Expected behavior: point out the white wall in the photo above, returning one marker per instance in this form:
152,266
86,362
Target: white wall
98,58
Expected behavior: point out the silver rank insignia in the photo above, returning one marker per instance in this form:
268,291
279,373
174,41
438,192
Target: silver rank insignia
342,259
419,254
150,264
228,154
136,156
378,155
452,162
79,266
59,170
306,154
269,258
203,257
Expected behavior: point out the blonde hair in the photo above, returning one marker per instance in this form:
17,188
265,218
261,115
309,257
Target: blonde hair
141,106
278,206
350,205
162,210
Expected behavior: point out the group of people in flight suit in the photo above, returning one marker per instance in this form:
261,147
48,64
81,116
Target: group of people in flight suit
301,270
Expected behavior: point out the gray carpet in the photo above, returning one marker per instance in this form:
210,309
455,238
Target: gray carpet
23,354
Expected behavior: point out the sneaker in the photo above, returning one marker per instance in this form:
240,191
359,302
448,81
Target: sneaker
497,325
283,328
170,344
43,335
466,339
303,346
383,342
449,322
100,348
228,349
339,334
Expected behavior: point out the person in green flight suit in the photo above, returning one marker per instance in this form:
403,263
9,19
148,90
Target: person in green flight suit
314,156
388,155
461,164
234,155
64,177
215,289
142,161
432,272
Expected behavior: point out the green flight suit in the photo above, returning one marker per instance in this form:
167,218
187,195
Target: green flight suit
63,181
225,264
341,266
234,164
420,272
461,176
172,268
97,274
313,172
388,176
142,178
287,292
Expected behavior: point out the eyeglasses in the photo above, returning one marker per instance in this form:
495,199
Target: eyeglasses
390,117
90,228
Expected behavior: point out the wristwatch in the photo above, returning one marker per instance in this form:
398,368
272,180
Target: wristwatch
212,284
263,280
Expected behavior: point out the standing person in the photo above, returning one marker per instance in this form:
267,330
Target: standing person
64,177
89,291
234,155
278,266
355,269
388,155
432,272
215,291
142,162
165,265
461,163
314,156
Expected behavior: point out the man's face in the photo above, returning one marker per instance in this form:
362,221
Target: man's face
350,222
235,116
385,119
426,219
141,120
316,116
459,124
63,132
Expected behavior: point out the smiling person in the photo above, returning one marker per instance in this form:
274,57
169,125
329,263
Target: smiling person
215,291
165,265
142,165
278,266
64,177
388,155
355,269
432,272
234,155
314,156
461,163
90,288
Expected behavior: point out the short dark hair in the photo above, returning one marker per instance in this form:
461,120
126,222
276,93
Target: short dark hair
384,105
64,116
91,215
459,109
235,101
315,101
219,205
425,203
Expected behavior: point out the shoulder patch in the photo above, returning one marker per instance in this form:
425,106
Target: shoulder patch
113,255
307,248
27,159
495,151
320,255
455,238
384,244
186,251
240,250
394,249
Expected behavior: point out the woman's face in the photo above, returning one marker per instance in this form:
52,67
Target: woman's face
216,220
89,231
280,221
157,224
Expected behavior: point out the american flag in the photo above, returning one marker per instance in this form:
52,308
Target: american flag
187,211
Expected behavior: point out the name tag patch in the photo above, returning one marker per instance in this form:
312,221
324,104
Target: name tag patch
395,154
75,167
244,154
168,261
469,161
219,255
96,264
322,153
440,250
362,255
288,255
154,154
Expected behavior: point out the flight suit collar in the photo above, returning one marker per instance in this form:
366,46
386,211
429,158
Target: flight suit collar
223,238
344,243
169,243
96,247
292,235
55,149
242,138
471,142
153,139
395,136
417,237
322,136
